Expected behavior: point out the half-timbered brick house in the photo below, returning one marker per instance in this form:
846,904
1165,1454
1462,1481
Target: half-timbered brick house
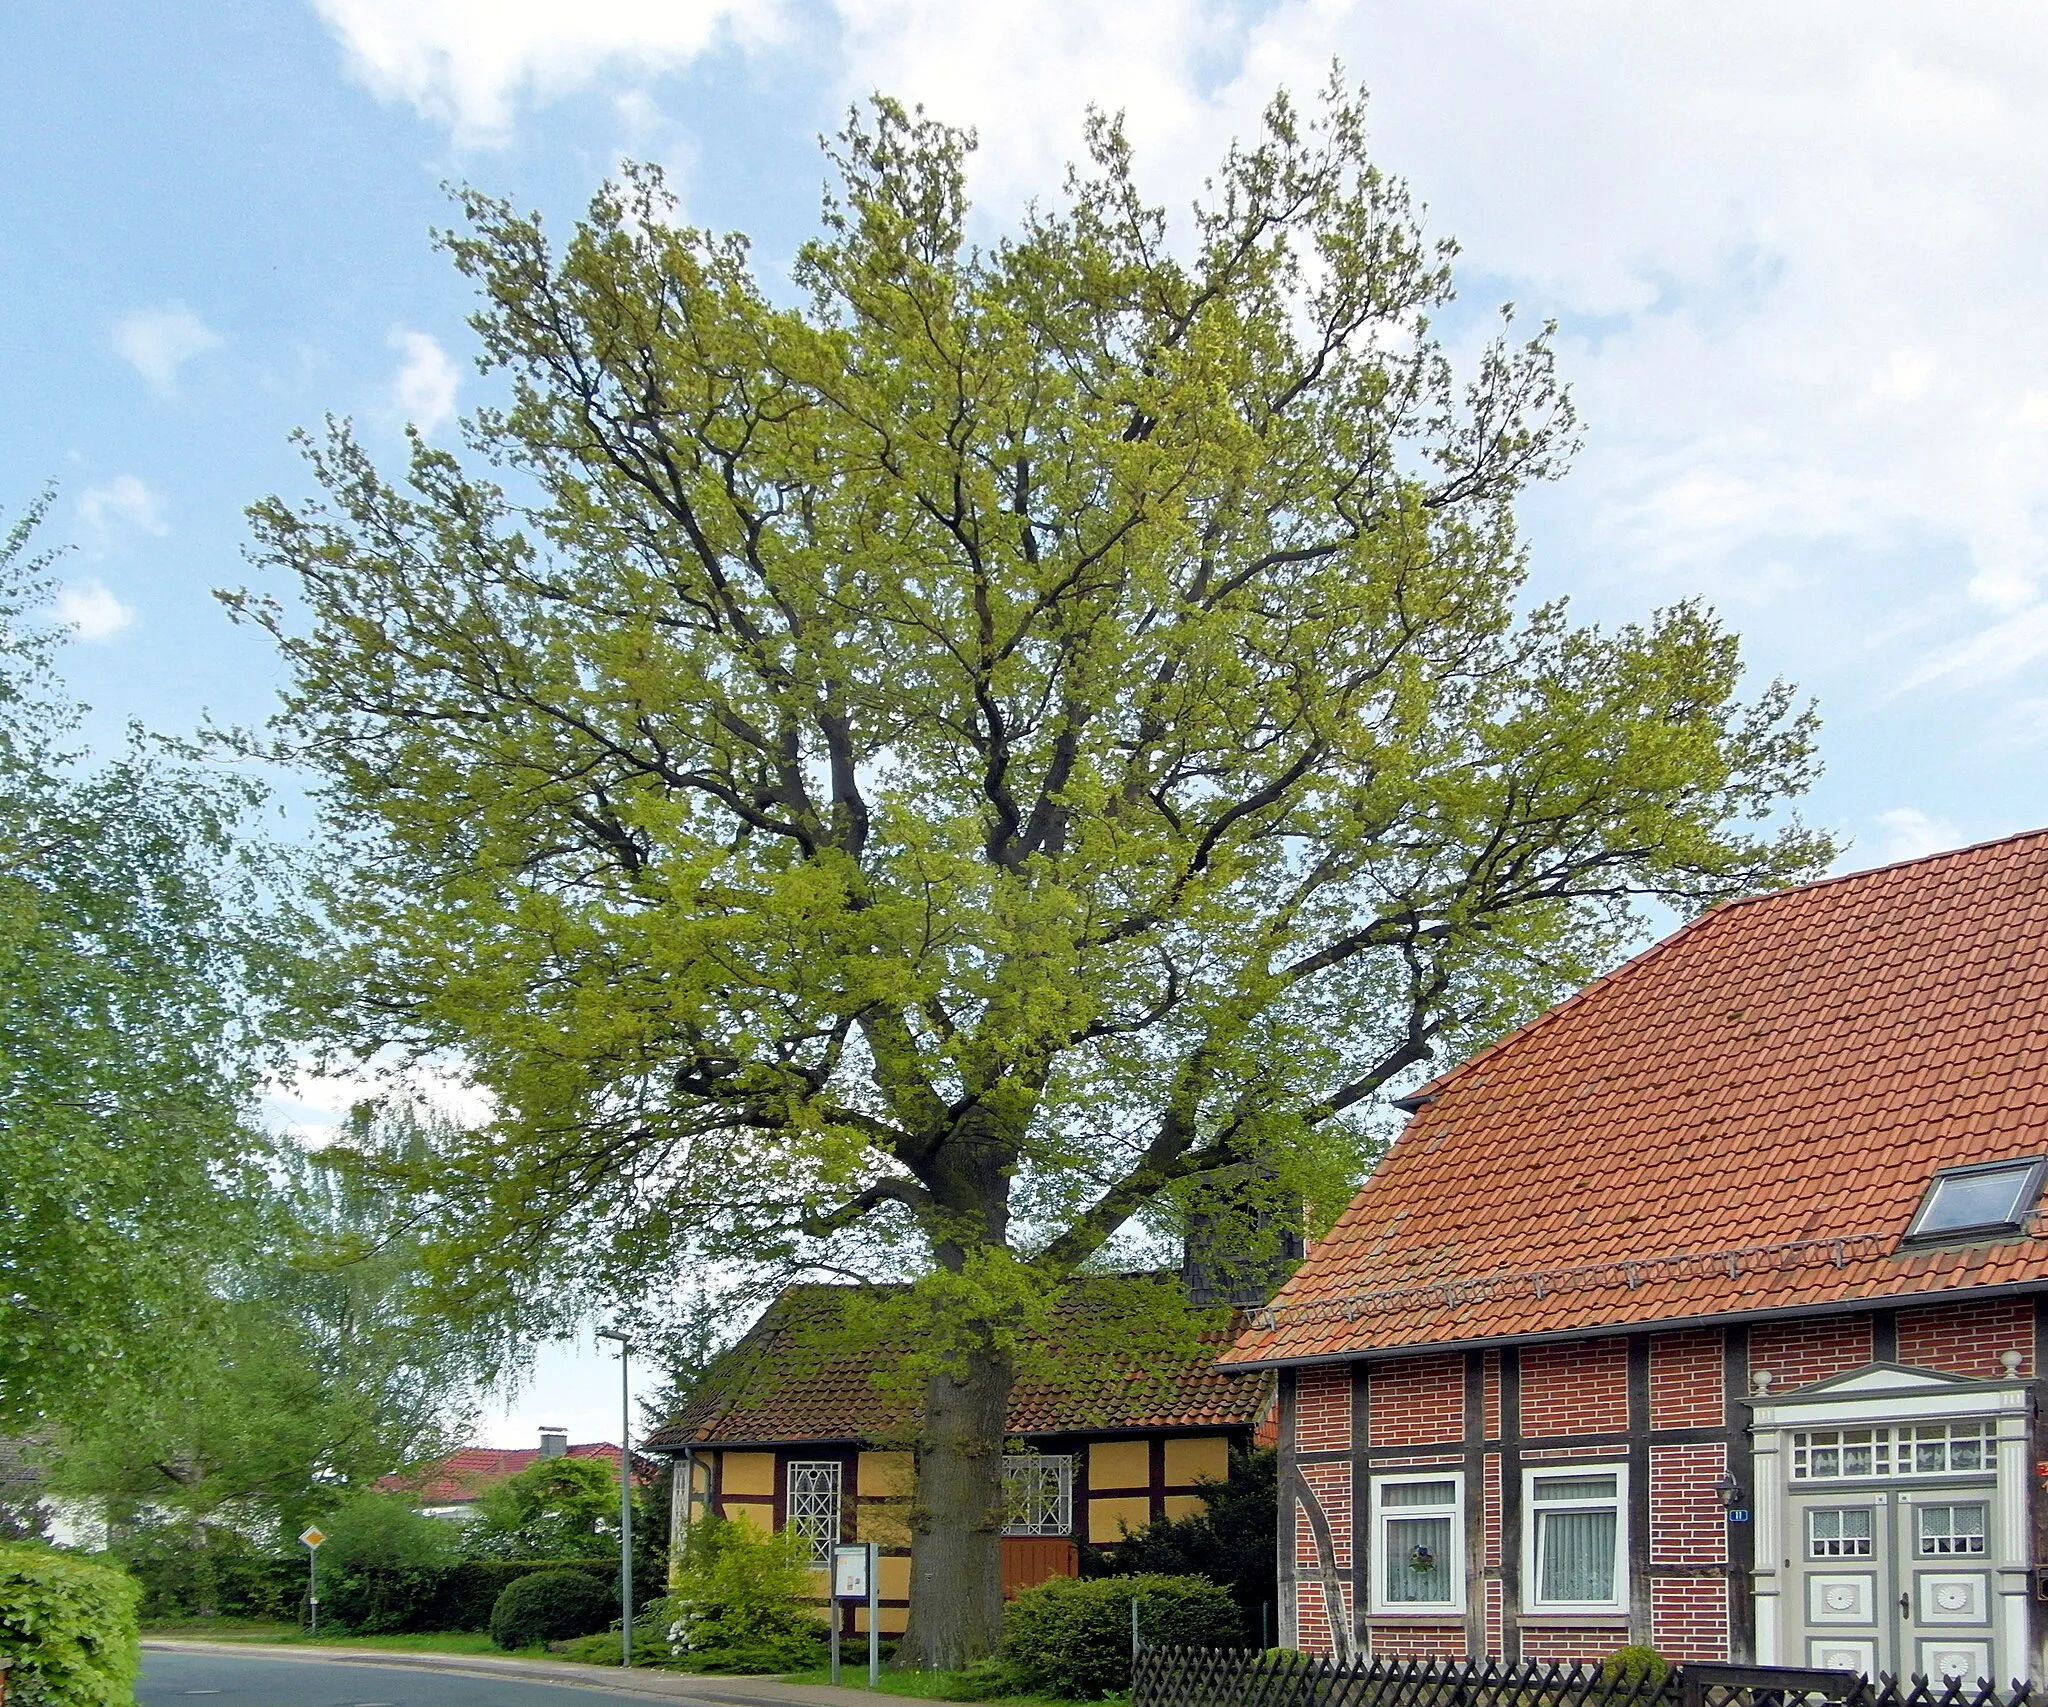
1706,1311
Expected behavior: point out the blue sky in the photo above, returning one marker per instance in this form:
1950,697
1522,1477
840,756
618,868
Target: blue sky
1796,253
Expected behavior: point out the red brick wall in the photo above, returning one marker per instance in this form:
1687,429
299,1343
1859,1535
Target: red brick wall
1548,1642
1797,1353
1312,1619
1689,1618
1322,1409
1331,1484
1490,1403
1688,1525
1417,1641
1416,1401
1685,1380
1580,1388
1965,1339
1490,1510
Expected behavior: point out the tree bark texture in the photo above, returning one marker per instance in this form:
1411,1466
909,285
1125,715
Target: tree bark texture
956,1561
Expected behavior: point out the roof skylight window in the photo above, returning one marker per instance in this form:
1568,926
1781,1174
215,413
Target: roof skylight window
1979,1201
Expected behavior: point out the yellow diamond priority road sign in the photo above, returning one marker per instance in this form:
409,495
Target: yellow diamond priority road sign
312,1537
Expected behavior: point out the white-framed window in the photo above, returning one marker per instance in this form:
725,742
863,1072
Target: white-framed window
1418,1529
1915,1449
1575,1537
1951,1531
1841,1532
1038,1493
814,1504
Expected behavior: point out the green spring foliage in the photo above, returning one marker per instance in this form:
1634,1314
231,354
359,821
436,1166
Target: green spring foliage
70,1627
741,1601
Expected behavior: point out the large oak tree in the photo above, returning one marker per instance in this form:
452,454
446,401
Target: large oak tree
1001,745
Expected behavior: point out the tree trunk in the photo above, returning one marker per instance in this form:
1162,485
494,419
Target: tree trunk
956,1555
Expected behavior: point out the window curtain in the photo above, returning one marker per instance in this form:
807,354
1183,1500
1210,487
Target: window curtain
1576,1555
1406,1584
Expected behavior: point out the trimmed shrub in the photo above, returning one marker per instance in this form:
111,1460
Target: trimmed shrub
69,1625
1071,1637
550,1606
1637,1664
742,1602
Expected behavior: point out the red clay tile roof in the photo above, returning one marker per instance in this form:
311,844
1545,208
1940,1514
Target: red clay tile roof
1742,1119
464,1474
792,1379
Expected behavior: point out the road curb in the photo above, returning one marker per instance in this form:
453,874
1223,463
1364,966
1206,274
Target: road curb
653,1685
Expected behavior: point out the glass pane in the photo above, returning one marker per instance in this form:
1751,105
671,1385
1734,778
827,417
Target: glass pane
1418,1559
1976,1200
1839,1534
1575,1555
1951,1529
1575,1487
1418,1493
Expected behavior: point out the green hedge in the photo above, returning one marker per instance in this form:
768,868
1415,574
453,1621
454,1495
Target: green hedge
182,1583
376,1600
1071,1637
70,1627
390,1600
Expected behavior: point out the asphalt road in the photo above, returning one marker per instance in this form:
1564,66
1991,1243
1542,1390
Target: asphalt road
243,1680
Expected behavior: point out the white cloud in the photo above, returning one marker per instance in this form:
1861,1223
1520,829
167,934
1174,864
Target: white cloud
423,391
471,63
1910,833
160,341
90,611
123,502
1797,248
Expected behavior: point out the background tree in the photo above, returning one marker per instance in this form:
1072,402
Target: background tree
1011,751
135,930
312,1370
556,1508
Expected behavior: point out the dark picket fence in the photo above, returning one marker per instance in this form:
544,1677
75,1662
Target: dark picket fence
1245,1677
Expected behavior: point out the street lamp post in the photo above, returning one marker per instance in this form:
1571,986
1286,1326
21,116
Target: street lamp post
625,1492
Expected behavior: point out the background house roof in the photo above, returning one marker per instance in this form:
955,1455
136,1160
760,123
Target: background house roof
1741,1119
798,1376
464,1474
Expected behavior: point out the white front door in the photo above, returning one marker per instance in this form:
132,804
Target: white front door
1892,1531
1894,1580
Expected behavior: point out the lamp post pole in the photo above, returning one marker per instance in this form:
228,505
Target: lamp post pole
625,1493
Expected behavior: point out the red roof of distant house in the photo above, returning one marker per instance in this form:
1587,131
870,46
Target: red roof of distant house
462,1475
1740,1120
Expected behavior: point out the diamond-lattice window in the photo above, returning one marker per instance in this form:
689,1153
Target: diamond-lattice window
814,1505
1038,1494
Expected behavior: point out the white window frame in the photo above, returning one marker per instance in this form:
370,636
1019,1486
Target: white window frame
1061,1464
1532,1530
1382,1553
821,1545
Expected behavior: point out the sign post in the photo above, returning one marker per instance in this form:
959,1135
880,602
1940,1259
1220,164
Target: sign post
856,1577
310,1538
